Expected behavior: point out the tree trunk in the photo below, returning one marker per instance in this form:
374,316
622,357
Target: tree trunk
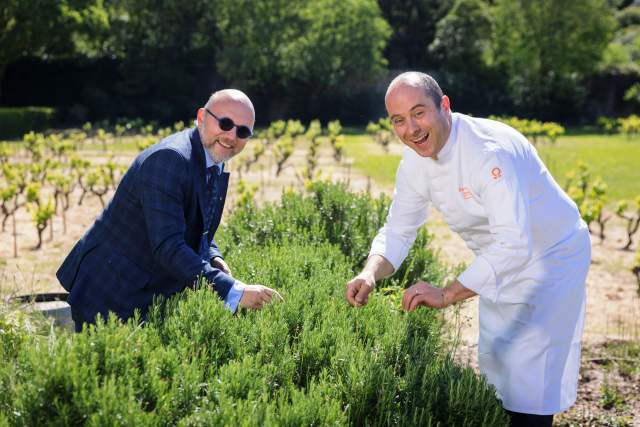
4,221
40,231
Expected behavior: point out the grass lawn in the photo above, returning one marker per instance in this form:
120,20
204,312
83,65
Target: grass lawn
614,158
371,159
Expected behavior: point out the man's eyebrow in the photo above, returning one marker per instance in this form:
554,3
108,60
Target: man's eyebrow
412,108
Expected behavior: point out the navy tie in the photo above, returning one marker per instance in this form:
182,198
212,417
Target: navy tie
212,175
210,194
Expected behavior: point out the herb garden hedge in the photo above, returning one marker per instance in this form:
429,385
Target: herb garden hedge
309,361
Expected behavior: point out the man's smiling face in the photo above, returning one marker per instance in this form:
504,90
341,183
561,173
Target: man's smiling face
223,145
417,120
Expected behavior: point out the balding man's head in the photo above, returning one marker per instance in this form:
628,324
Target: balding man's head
418,80
233,108
419,112
231,95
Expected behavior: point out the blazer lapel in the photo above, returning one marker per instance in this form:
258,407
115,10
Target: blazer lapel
200,171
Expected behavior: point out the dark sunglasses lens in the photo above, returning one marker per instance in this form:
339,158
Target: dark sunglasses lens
226,124
243,132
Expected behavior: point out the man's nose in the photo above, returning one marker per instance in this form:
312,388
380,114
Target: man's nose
414,129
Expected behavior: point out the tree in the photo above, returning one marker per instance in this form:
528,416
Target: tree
298,47
463,46
28,27
414,29
50,28
166,53
546,49
621,59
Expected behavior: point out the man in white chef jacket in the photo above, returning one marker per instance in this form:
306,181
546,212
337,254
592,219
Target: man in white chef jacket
532,248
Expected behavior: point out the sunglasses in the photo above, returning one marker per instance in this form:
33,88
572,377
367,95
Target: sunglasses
226,124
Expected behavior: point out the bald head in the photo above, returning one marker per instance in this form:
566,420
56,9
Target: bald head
417,80
218,122
234,95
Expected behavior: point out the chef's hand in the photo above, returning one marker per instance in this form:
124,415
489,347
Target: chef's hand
422,293
219,263
257,296
359,288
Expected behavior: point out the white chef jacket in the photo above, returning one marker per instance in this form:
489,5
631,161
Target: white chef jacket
532,255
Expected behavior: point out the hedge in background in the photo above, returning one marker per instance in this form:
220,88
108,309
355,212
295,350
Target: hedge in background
17,121
309,361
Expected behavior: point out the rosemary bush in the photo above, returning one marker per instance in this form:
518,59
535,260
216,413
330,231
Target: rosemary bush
311,360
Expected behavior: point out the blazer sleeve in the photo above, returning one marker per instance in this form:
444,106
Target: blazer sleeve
163,181
214,251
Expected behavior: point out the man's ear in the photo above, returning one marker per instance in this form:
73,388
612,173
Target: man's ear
200,116
445,104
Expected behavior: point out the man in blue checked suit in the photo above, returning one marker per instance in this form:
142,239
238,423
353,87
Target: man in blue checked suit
155,237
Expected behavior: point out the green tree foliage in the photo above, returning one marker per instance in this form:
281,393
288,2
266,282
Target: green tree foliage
336,139
463,37
282,150
622,55
8,203
633,94
414,29
546,49
168,44
382,132
631,214
589,196
630,126
463,46
312,135
534,130
27,28
99,182
41,214
286,46
305,58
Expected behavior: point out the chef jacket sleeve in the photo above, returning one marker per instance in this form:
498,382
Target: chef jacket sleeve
501,188
407,213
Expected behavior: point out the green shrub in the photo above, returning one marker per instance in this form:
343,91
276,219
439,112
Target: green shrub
608,125
630,126
17,121
533,130
311,360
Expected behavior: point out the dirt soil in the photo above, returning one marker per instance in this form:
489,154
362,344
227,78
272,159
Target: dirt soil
613,303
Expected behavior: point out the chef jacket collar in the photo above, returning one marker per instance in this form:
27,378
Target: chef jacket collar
447,150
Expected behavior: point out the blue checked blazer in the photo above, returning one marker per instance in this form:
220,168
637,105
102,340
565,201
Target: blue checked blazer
147,240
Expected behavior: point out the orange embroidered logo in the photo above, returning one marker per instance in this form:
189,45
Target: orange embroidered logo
496,173
466,194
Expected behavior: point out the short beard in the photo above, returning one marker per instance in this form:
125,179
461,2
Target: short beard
215,157
209,147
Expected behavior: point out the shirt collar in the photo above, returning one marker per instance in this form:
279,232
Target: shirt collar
447,150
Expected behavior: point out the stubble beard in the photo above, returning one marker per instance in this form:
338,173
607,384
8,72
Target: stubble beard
210,145
218,158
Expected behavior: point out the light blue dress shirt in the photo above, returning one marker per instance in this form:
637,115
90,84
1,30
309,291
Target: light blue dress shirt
235,293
